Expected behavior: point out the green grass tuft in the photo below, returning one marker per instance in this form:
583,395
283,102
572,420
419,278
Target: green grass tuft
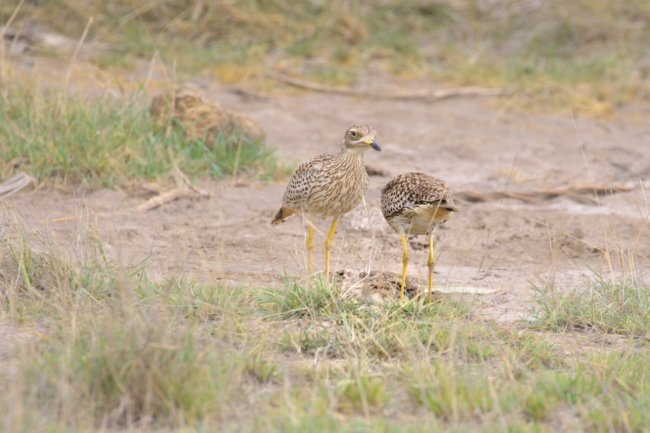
137,369
103,142
621,307
361,394
298,299
97,347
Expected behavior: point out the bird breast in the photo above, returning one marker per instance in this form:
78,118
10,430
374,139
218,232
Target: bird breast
340,186
419,220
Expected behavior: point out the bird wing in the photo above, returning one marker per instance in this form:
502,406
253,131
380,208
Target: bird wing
302,181
431,190
410,190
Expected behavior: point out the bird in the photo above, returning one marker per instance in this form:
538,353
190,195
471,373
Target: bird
329,185
414,204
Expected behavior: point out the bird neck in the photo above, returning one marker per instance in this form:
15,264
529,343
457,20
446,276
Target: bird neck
353,153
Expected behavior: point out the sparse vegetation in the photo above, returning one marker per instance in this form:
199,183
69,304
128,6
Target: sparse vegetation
117,349
611,307
89,345
102,142
587,55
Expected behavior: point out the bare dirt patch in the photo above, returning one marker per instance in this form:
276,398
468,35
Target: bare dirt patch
472,143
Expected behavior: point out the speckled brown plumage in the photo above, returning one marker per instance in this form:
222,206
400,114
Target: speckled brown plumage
329,185
413,203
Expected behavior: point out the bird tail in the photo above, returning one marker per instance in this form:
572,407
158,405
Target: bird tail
282,215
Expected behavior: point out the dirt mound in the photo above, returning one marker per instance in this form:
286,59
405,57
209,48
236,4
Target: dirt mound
200,118
378,287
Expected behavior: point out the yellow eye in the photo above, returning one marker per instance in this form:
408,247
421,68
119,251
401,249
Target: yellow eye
354,134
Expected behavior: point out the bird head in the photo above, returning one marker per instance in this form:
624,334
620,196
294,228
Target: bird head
360,137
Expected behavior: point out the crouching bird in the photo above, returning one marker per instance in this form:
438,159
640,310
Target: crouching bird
329,186
414,204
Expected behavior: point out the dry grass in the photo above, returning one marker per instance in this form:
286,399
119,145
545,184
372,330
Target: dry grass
108,348
614,307
95,347
588,55
103,142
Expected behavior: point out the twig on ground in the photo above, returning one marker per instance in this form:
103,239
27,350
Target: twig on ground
184,189
582,192
431,95
18,182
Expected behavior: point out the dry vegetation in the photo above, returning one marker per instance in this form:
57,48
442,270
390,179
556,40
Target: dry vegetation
589,55
102,142
110,348
92,346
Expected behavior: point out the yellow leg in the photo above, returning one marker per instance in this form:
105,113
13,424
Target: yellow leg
430,266
405,262
328,247
310,248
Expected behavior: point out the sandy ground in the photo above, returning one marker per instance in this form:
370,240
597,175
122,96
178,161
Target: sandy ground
474,144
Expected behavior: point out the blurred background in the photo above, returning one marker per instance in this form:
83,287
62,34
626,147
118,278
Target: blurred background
590,55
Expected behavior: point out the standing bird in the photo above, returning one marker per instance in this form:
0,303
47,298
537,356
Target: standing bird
414,204
329,186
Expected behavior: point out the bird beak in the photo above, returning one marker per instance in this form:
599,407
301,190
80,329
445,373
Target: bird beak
375,146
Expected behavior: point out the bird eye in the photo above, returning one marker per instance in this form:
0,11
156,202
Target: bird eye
354,134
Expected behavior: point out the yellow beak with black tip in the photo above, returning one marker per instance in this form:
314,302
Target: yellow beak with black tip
374,145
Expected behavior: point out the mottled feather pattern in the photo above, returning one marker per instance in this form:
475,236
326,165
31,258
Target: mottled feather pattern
328,185
415,202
